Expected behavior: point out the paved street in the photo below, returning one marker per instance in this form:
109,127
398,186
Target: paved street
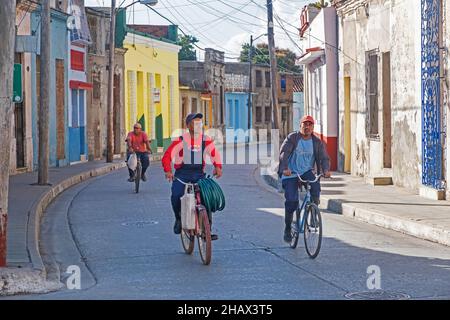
128,250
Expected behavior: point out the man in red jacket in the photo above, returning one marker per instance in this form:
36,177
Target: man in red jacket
188,153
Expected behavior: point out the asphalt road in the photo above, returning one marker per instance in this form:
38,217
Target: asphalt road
125,248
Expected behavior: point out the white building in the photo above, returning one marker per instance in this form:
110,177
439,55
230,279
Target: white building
320,58
394,87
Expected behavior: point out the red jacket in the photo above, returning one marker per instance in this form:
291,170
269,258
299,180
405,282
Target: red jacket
175,152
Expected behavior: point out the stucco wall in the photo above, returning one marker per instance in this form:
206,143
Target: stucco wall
23,20
154,59
387,27
59,50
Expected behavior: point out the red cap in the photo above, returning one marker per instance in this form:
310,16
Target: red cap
307,119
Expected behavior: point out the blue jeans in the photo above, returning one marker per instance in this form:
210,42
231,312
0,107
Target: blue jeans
290,187
145,161
186,175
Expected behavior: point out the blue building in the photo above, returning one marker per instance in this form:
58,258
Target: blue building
236,102
236,116
299,103
58,124
78,83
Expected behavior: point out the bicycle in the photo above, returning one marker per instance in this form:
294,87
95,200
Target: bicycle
202,229
307,220
137,174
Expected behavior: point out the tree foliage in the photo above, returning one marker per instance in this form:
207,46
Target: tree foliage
187,51
285,57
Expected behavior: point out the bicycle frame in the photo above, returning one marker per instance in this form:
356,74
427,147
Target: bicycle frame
306,200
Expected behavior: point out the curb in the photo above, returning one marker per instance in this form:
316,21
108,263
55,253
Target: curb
37,210
33,280
378,218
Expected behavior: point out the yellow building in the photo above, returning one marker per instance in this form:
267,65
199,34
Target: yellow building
151,82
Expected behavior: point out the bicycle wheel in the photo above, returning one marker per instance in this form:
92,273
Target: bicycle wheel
313,230
137,177
204,236
188,241
295,229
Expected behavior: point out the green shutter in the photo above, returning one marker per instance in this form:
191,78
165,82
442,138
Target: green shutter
17,83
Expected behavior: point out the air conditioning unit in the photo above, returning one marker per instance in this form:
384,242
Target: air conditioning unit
149,2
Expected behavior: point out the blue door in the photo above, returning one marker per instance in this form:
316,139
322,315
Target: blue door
236,119
432,148
77,139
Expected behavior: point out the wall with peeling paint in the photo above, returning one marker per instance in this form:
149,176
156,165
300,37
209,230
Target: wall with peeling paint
386,26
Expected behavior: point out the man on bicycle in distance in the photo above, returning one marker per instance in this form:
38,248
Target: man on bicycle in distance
138,142
304,154
188,151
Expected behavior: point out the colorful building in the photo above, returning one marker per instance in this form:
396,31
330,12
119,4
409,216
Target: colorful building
59,69
236,102
151,81
79,41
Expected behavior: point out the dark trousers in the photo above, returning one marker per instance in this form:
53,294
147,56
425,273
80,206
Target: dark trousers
186,175
145,161
290,187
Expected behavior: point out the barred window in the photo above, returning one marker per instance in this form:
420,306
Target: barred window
372,129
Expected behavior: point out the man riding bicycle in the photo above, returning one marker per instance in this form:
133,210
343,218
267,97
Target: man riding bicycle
138,142
189,153
304,154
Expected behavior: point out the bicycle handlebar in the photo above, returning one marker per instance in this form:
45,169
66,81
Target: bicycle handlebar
310,181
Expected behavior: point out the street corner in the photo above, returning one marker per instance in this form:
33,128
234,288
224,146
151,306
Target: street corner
20,281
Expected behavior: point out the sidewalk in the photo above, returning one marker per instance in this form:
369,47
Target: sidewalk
385,206
27,204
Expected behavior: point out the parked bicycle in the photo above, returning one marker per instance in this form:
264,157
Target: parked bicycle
307,220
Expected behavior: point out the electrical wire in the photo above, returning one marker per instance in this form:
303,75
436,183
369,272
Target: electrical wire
182,31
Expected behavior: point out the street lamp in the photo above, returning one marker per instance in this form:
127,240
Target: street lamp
144,2
149,2
250,85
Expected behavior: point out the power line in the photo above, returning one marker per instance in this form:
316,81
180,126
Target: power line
236,20
195,29
162,16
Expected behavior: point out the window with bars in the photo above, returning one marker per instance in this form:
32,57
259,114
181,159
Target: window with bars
284,114
194,108
268,114
372,129
258,114
267,79
96,87
258,78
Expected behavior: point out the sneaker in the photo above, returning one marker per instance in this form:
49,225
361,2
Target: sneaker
177,227
143,177
131,179
287,235
214,237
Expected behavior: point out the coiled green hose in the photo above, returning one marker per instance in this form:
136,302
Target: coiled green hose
211,194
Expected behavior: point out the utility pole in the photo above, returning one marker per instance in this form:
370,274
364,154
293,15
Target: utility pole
44,95
110,133
273,66
250,88
7,35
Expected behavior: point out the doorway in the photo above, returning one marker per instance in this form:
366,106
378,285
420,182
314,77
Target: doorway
347,126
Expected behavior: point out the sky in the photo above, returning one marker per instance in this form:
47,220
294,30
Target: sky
222,24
